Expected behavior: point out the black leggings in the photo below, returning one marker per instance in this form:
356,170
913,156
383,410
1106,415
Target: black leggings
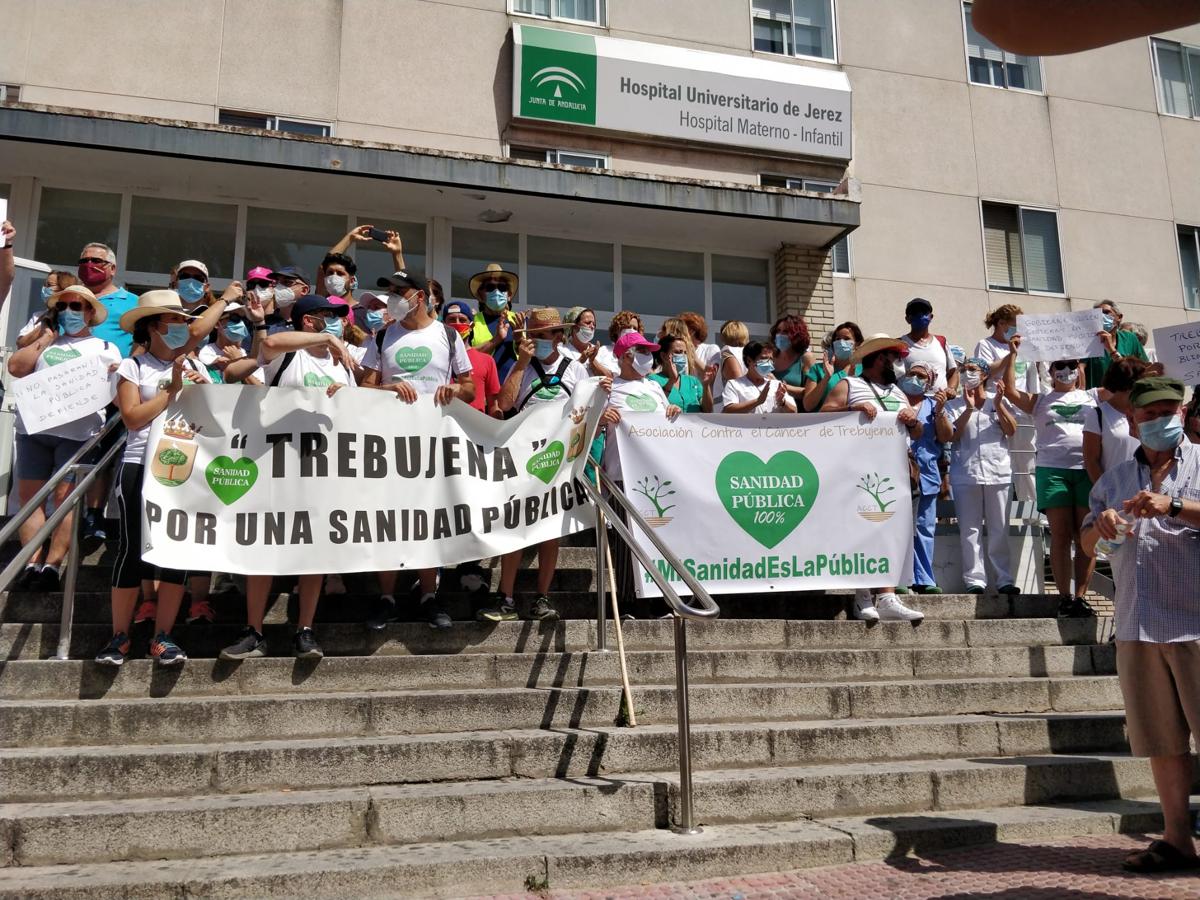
128,570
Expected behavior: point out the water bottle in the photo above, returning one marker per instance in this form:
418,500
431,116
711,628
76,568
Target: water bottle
1106,548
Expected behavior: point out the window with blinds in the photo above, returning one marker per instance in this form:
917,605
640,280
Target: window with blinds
990,65
794,27
1021,249
1189,261
1177,67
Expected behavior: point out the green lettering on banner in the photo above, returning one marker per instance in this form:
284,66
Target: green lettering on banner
558,75
312,379
413,359
55,355
231,480
767,499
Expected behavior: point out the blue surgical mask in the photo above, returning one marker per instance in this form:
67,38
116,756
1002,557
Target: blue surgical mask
496,300
1109,322
1010,332
190,289
782,342
843,349
913,386
333,325
47,292
921,322
177,335
765,367
235,330
1161,434
680,360
374,319
543,348
72,322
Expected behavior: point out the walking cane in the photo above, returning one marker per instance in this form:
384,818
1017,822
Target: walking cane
616,617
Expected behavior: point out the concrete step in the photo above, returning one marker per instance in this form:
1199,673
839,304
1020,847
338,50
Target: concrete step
100,831
80,679
513,864
40,641
39,773
94,606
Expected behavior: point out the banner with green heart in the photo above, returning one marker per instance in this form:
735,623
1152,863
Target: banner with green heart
56,355
545,465
767,499
413,359
231,480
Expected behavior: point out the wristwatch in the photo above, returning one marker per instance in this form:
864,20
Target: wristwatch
1176,506
260,327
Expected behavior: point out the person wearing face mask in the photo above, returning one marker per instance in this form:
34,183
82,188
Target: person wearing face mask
605,362
1062,481
492,329
290,285
457,314
337,277
147,384
790,339
706,354
689,393
992,349
42,323
97,269
924,452
874,391
822,377
580,344
230,342
266,312
1118,344
1147,511
74,311
928,347
1106,437
978,427
440,368
734,336
189,280
759,390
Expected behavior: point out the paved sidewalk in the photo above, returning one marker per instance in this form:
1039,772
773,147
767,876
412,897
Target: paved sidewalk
1084,868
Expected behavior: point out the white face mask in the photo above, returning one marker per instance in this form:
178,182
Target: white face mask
642,363
284,296
398,307
1065,376
971,380
264,293
585,334
335,285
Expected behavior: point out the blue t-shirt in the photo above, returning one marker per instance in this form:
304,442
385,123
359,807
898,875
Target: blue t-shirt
117,303
927,450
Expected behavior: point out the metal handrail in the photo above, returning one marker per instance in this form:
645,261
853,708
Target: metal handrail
18,562
686,823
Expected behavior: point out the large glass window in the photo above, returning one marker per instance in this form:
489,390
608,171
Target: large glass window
794,27
473,249
1021,249
988,64
1189,259
69,219
1178,68
281,237
565,273
661,282
740,289
374,261
164,232
590,11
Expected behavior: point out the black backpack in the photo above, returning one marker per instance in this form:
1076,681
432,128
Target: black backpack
546,380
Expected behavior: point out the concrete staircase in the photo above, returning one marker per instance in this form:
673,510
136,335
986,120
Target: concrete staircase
488,759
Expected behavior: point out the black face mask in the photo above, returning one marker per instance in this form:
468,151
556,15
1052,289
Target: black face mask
888,375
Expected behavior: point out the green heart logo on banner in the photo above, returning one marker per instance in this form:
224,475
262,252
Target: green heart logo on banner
545,465
767,499
231,480
55,355
413,359
312,379
641,403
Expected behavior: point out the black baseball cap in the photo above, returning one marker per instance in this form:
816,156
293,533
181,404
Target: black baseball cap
312,303
290,272
402,279
918,305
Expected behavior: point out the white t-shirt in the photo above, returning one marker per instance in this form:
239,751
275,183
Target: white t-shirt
35,322
65,349
305,370
980,456
604,357
708,354
630,395
423,357
550,393
931,351
1059,419
742,389
151,375
994,352
1116,443
890,398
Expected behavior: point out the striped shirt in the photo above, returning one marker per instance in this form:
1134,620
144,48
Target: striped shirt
1157,568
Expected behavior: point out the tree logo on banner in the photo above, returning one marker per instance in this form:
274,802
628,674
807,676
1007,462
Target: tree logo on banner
656,492
767,499
876,488
231,480
171,462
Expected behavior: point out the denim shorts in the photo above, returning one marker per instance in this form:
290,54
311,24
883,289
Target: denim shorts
41,455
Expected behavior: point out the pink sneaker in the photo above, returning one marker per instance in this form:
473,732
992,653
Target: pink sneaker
200,611
146,612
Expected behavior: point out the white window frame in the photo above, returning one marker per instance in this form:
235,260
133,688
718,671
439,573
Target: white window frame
10,92
273,121
1195,230
998,87
801,183
1193,89
1066,291
554,154
833,28
601,15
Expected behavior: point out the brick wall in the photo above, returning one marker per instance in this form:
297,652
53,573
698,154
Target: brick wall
804,285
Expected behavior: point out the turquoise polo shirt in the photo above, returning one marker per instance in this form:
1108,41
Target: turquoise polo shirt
117,303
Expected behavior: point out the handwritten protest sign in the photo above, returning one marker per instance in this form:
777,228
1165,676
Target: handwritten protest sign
1071,335
1178,348
63,393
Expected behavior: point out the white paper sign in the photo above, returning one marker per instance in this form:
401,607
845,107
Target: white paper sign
759,503
1069,335
64,393
1178,348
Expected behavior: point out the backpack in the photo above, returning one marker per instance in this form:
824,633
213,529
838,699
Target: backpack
451,334
287,361
544,380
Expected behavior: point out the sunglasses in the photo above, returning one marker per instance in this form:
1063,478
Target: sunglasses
94,259
76,305
257,284
495,286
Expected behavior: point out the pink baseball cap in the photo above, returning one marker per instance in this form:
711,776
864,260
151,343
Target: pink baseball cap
633,339
260,273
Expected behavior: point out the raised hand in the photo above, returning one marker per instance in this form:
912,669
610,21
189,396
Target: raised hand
235,291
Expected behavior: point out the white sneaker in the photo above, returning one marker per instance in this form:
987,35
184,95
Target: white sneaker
890,609
864,607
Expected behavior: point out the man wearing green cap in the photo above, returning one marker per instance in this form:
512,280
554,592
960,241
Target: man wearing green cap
1145,516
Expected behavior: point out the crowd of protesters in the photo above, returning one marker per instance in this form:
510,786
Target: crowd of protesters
279,327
